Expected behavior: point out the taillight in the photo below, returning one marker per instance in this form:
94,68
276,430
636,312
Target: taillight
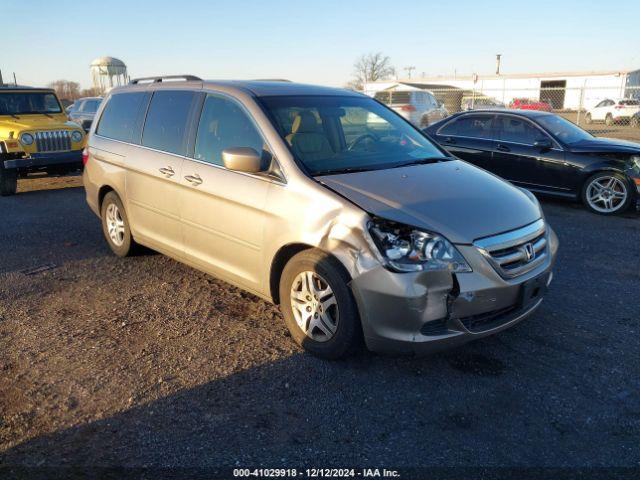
85,156
408,108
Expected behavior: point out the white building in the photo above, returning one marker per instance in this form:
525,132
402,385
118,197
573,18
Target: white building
564,90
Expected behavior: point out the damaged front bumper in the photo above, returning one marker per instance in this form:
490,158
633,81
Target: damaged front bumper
422,312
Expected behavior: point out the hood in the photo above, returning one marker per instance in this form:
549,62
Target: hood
452,198
605,145
36,122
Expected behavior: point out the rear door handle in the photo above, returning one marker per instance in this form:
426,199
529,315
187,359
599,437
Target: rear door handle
167,171
503,148
195,180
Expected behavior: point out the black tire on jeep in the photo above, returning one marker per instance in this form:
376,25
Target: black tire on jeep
8,180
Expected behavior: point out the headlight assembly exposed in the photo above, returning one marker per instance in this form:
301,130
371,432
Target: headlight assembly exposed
26,139
635,160
76,136
407,249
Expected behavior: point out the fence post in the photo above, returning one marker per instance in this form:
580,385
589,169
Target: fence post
580,105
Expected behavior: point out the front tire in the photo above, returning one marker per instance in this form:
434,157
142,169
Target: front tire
318,306
607,193
115,226
8,181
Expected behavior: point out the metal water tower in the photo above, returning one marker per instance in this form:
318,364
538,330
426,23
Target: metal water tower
108,72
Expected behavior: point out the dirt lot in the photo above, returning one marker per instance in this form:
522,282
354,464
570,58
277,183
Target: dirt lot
144,362
617,130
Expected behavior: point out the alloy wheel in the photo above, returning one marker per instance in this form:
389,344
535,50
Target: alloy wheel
115,225
314,306
606,194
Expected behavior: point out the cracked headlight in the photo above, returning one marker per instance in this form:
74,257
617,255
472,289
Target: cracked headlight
407,249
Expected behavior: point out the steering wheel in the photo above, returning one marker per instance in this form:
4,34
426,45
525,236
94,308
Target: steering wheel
361,138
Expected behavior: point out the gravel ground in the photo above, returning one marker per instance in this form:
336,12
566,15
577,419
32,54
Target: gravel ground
144,362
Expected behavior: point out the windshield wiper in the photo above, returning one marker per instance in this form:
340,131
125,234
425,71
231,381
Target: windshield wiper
422,161
335,171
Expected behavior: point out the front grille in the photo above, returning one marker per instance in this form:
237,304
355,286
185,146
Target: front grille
53,141
517,252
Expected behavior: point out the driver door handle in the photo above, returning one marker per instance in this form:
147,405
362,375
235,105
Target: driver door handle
503,148
195,180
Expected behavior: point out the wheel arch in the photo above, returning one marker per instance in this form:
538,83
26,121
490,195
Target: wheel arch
282,257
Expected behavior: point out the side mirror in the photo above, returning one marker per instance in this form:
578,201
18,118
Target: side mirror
242,159
543,144
86,125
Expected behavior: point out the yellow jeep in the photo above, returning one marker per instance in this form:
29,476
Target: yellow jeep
35,136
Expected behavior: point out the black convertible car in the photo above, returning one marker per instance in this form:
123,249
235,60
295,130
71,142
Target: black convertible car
545,153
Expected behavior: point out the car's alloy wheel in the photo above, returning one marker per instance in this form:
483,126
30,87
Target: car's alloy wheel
635,121
314,306
115,225
587,119
606,194
608,120
318,306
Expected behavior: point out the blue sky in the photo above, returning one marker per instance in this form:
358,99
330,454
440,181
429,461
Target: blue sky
313,41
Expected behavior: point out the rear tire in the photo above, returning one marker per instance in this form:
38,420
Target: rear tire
115,226
587,119
8,180
326,322
608,120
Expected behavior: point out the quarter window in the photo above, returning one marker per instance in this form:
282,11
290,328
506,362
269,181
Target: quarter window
224,124
476,126
166,122
119,119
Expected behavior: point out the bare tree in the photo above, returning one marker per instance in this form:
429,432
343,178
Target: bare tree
66,89
370,68
90,92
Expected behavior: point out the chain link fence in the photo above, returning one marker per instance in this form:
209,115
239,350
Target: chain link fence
608,112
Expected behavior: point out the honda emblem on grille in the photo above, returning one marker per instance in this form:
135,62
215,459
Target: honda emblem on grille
529,251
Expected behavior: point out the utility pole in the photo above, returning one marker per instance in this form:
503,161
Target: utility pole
15,82
498,55
1,82
409,70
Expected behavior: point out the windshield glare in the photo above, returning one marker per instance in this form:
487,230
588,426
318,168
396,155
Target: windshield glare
341,134
563,129
17,103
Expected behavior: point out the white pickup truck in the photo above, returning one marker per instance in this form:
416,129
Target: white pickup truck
613,111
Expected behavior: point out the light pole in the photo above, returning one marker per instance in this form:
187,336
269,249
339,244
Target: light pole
498,55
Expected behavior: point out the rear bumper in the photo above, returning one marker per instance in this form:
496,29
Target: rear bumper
40,161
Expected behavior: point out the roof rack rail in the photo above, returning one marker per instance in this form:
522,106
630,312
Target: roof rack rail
161,78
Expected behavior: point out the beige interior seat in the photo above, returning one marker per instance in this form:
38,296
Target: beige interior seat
307,138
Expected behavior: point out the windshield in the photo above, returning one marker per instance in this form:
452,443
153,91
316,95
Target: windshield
346,134
563,129
20,103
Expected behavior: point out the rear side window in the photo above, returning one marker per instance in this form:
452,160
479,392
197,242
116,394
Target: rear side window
90,106
477,126
166,122
119,119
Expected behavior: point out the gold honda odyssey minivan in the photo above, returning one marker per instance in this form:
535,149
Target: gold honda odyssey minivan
323,201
